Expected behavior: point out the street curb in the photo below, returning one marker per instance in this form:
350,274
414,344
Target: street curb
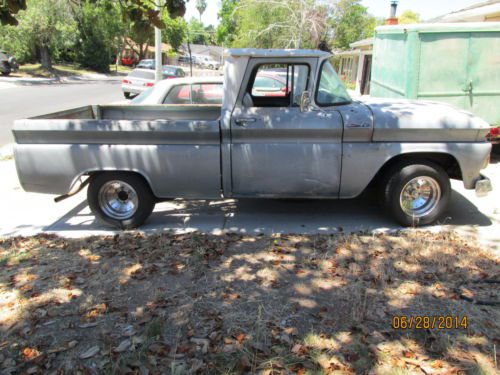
70,79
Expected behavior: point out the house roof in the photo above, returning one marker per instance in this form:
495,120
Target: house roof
255,52
475,12
200,49
362,43
439,27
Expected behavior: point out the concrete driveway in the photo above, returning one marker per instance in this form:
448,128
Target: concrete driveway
27,213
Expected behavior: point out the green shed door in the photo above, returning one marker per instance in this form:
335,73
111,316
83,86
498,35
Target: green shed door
443,68
462,69
484,75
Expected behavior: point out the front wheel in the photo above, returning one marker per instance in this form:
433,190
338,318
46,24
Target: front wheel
417,194
123,200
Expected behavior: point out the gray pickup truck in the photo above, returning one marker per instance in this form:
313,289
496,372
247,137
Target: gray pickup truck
286,129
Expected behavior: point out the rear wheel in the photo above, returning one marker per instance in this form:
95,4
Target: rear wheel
6,73
123,200
127,95
417,193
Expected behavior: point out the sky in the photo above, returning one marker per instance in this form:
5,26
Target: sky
379,8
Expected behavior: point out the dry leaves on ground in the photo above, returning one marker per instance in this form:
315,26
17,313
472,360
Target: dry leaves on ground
282,304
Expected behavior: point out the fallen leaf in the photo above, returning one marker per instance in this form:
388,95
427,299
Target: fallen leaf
124,345
90,352
30,353
240,337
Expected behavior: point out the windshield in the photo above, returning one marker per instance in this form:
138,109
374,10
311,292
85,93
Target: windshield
330,90
141,97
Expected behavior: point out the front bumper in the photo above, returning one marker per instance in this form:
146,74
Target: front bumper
483,186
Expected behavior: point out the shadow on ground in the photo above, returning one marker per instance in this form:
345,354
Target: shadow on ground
253,216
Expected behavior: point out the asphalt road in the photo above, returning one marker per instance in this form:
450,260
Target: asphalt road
39,99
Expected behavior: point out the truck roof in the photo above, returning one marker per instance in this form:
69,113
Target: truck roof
256,52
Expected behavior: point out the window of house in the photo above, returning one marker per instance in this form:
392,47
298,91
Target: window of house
278,85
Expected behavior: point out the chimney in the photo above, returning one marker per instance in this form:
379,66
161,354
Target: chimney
392,20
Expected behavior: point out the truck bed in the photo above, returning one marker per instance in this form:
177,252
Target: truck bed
118,124
175,148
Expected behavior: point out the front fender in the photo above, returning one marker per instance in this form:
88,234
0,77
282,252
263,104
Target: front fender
362,161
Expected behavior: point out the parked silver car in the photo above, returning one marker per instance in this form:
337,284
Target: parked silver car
208,62
139,80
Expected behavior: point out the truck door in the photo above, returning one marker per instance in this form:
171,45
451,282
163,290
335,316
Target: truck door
277,150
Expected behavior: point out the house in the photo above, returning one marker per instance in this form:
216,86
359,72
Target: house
130,55
355,66
485,11
215,52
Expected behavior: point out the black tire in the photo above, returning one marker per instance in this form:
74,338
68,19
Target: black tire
5,73
145,198
127,95
397,178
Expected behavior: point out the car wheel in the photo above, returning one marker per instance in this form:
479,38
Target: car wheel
416,193
5,73
123,200
127,95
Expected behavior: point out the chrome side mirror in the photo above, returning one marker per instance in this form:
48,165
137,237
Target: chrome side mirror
305,101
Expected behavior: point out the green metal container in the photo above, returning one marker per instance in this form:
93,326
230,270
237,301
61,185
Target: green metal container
456,63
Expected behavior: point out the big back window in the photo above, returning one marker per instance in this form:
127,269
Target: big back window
144,74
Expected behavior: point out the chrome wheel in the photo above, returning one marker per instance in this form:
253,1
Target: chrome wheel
420,196
118,200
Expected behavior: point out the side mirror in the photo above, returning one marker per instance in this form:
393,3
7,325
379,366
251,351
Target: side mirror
305,101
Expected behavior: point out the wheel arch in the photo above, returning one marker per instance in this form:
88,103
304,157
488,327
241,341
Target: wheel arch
94,172
363,168
445,160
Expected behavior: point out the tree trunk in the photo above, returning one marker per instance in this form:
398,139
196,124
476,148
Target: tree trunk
45,58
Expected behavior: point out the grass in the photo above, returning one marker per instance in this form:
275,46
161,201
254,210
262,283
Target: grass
62,70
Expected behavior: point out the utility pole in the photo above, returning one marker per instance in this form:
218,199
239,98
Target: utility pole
158,56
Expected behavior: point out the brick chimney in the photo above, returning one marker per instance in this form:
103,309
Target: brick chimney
392,20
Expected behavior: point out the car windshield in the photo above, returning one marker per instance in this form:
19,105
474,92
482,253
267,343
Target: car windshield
330,90
142,96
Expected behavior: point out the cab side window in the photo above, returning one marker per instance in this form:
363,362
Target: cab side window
278,85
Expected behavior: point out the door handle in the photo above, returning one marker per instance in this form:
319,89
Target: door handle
468,87
244,120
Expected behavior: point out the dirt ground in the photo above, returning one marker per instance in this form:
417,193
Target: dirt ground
234,304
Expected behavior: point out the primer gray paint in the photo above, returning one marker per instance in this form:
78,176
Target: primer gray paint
201,152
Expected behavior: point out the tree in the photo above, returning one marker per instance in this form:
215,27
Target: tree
350,22
226,29
45,29
100,29
8,10
408,17
175,31
280,23
197,32
201,5
136,10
